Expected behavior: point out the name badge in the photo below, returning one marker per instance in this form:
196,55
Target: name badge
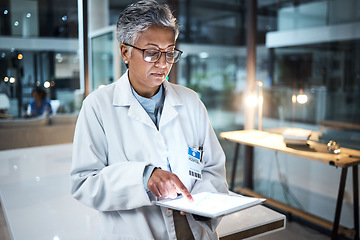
195,159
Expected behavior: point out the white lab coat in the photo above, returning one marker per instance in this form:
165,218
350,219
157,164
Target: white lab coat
115,139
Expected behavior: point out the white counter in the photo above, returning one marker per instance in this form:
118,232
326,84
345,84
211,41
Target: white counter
35,196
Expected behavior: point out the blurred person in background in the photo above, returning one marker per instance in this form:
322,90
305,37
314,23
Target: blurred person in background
39,103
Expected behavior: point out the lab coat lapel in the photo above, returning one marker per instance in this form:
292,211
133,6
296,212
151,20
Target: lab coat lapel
123,97
172,100
137,112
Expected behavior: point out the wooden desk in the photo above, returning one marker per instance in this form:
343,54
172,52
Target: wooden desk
344,160
36,200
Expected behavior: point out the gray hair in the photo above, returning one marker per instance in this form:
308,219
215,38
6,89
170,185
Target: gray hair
139,16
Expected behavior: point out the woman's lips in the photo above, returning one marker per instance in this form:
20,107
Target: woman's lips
158,74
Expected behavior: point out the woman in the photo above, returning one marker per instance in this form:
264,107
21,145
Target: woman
39,103
133,136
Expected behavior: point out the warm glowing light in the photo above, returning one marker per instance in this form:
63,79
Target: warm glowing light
251,100
293,98
20,56
260,104
256,100
302,98
6,79
260,100
46,84
12,80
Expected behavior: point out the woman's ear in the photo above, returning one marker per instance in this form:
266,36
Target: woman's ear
125,54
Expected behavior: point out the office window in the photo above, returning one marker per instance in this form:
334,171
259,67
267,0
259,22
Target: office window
39,48
312,83
25,18
322,67
308,59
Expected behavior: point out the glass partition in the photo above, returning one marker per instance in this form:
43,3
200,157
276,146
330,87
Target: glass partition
106,64
308,60
102,60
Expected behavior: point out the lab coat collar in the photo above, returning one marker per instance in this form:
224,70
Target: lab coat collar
122,93
172,100
171,96
124,97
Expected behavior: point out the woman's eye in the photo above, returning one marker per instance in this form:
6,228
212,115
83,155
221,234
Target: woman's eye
170,54
151,53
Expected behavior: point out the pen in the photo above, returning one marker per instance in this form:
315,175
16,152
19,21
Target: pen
201,152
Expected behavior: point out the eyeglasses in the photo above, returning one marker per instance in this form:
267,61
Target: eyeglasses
153,55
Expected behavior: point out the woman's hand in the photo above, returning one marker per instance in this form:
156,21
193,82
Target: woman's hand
166,184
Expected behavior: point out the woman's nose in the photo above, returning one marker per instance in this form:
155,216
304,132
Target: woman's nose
161,62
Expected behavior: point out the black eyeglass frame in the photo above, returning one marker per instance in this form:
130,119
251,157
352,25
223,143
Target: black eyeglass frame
161,52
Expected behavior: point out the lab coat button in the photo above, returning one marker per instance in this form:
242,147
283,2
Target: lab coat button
168,213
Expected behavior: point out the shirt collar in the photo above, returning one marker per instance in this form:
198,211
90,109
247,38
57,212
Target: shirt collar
150,104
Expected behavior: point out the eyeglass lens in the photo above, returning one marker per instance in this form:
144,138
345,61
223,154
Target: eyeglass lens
154,55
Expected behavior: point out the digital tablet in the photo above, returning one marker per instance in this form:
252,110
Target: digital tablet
211,205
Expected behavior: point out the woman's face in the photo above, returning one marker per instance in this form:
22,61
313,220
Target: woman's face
146,77
36,96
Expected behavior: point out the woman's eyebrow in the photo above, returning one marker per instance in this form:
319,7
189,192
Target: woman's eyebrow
155,45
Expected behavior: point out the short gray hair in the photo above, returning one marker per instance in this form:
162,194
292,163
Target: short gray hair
139,16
